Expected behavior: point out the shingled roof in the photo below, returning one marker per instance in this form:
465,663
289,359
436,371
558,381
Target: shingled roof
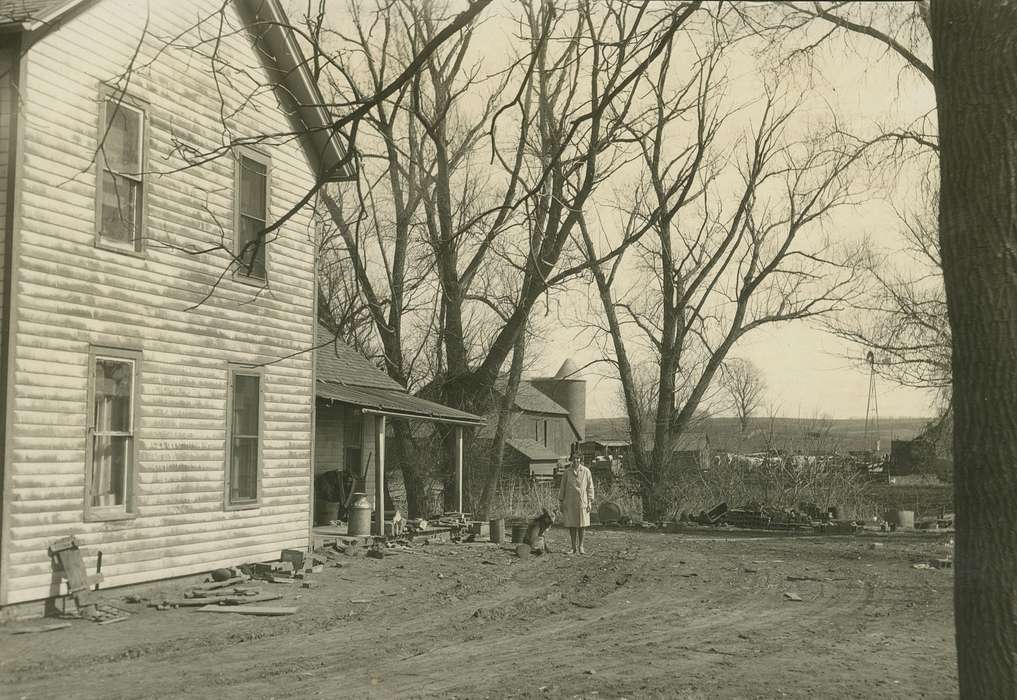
337,362
530,399
17,11
532,450
346,375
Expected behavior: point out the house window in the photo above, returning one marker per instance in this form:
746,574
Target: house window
120,181
536,431
545,433
252,181
243,457
113,378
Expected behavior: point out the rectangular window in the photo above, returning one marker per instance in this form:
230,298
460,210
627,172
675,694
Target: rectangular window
113,376
545,433
120,177
244,441
251,213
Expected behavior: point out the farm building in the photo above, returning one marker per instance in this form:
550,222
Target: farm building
159,401
548,417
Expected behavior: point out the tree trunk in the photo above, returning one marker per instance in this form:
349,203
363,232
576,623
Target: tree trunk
975,52
501,432
403,454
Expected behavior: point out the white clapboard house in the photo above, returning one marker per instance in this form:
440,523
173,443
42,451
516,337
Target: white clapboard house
158,404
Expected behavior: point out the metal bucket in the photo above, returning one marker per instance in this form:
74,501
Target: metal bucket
518,533
360,515
497,531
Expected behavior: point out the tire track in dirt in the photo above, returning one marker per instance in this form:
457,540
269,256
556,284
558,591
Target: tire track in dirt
678,634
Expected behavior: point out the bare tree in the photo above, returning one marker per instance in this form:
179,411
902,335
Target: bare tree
902,317
975,49
712,268
745,386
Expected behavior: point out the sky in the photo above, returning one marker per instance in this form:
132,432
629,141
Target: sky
808,371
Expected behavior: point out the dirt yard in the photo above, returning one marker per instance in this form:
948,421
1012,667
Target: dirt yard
645,615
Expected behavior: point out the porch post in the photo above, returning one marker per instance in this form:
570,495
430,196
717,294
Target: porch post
379,475
459,469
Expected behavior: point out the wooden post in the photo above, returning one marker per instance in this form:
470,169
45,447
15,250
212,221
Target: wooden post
459,469
379,475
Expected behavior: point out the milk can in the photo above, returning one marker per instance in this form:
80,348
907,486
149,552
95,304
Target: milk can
360,515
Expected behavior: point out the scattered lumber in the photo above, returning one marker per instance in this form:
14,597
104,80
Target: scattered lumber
249,610
221,584
113,620
245,600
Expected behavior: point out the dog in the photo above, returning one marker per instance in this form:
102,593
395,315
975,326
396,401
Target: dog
535,532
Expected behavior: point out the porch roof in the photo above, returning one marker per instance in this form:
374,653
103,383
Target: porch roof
397,404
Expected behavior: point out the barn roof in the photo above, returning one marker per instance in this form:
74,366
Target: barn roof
532,450
531,400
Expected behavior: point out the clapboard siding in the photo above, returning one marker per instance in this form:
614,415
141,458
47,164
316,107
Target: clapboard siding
7,66
72,295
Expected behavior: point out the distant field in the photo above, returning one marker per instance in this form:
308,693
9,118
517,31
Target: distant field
724,433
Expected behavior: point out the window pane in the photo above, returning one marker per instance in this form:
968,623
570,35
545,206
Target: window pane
111,459
245,405
252,246
253,182
120,207
121,149
244,469
113,387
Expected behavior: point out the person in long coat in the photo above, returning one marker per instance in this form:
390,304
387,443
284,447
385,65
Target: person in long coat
576,497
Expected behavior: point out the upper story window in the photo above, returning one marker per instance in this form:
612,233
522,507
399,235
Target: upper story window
120,177
252,188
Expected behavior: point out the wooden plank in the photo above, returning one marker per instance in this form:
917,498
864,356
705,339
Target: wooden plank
221,584
42,628
248,610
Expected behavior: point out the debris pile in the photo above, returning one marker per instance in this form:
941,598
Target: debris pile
758,516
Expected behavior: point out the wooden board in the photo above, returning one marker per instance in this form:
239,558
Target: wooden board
248,610
42,628
79,582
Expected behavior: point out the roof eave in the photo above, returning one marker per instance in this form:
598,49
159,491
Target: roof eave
297,90
44,20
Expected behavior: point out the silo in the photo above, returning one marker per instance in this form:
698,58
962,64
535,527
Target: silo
567,390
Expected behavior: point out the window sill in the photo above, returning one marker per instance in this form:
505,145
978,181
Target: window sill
250,280
97,516
242,506
118,248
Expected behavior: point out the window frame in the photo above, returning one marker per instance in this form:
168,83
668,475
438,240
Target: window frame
128,509
239,153
107,93
232,373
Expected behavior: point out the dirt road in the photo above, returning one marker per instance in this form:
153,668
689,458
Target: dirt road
646,615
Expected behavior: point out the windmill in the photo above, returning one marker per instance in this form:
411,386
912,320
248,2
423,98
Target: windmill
872,405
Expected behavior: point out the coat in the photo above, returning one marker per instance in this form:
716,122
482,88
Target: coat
576,496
